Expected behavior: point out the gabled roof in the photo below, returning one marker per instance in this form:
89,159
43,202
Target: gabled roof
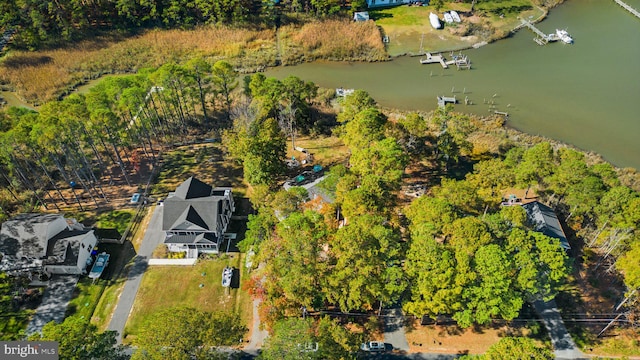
193,188
63,249
195,206
190,220
202,238
543,219
25,235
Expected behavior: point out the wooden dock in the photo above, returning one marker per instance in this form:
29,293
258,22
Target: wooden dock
432,59
460,61
628,8
444,100
542,38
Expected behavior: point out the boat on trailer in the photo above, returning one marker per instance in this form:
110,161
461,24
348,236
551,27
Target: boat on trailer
448,18
102,260
435,21
455,16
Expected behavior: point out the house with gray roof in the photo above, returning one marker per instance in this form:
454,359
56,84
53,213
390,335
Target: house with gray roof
196,216
543,219
45,243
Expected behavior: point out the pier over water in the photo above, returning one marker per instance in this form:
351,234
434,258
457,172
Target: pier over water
628,8
542,38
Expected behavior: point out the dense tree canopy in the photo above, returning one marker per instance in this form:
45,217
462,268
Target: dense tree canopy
185,333
39,22
514,348
79,340
297,338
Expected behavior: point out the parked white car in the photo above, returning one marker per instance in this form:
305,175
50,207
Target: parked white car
373,346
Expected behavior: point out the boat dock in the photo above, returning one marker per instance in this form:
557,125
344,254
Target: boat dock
432,59
444,100
628,8
542,38
460,61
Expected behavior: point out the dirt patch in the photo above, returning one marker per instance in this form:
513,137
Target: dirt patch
448,339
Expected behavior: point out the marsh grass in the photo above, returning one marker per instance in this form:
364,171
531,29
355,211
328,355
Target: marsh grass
47,74
333,40
44,75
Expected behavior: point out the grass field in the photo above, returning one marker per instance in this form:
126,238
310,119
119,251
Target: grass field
86,297
170,286
326,150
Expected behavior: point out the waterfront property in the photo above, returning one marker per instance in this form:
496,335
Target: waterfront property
45,244
460,61
196,216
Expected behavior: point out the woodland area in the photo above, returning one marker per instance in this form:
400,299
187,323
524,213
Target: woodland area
39,23
452,251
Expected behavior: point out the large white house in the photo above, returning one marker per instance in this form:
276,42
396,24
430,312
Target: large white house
45,243
195,217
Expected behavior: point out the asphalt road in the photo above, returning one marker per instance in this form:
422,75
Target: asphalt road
152,238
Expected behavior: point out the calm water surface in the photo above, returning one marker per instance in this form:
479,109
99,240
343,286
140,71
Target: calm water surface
586,94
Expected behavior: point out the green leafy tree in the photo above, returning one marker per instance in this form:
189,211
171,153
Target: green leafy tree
264,159
517,348
294,268
492,294
79,340
432,270
365,128
629,266
384,158
355,103
296,338
365,255
184,333
428,212
536,164
224,79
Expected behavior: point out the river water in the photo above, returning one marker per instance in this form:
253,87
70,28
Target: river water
586,94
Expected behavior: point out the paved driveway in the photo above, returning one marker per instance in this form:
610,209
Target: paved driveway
152,238
394,333
54,302
563,345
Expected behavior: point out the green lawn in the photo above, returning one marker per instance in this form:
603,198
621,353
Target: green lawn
85,298
116,219
171,286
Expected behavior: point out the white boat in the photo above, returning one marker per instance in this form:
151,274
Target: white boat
564,36
102,260
455,16
435,22
448,18
227,275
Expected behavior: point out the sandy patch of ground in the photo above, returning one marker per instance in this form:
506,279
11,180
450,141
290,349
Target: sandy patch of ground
452,339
